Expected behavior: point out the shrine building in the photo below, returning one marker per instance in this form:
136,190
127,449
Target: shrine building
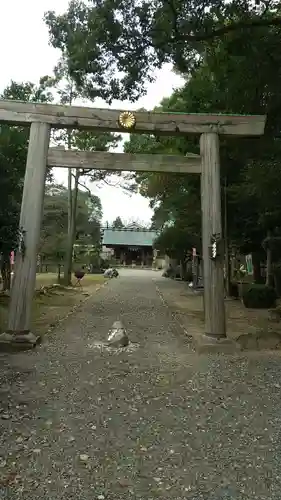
130,246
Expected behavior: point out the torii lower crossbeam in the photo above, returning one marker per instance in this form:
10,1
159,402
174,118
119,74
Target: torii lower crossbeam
190,163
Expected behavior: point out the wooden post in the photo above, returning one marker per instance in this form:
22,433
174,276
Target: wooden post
211,224
30,222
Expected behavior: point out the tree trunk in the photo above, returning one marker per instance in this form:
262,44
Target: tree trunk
257,277
59,273
269,270
227,273
71,233
277,283
6,271
195,271
69,199
182,269
69,250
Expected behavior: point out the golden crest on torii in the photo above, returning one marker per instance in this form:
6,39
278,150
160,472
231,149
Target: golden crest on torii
127,119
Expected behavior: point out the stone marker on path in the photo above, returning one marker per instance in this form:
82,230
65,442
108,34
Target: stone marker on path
117,336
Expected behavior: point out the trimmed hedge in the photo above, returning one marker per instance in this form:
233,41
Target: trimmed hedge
259,297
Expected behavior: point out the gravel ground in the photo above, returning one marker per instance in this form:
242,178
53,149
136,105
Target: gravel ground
157,421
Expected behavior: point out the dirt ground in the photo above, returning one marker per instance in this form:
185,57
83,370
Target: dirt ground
188,308
56,304
156,421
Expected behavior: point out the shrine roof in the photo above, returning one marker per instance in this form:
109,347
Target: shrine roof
129,237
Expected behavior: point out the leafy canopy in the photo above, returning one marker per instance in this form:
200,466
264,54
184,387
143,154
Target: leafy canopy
112,47
237,75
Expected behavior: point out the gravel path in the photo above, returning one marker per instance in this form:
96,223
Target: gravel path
157,422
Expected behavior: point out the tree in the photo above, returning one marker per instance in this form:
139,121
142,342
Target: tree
117,223
83,140
13,152
174,198
67,93
112,47
176,241
54,224
251,167
236,76
54,231
66,89
228,52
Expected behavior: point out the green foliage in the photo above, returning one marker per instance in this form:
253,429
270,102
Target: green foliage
228,53
55,223
273,243
66,92
175,242
114,46
259,297
13,143
117,223
30,92
66,89
236,76
13,152
88,141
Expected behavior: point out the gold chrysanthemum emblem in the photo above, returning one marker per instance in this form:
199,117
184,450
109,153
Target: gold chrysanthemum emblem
127,119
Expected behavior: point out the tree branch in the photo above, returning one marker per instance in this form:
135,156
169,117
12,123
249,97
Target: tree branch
88,171
86,187
126,189
111,184
239,25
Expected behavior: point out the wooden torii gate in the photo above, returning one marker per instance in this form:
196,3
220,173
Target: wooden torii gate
41,117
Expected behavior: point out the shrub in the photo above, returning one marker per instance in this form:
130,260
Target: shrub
168,272
188,276
233,289
259,297
277,277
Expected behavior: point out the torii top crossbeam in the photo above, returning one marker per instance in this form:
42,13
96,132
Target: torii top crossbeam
59,116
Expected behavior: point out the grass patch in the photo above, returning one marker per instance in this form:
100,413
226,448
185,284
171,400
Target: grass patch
46,279
55,304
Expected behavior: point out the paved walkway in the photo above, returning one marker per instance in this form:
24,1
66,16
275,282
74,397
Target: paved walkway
159,422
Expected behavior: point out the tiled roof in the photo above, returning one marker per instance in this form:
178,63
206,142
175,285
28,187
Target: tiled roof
128,237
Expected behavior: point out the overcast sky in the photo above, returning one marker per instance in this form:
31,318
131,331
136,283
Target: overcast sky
26,56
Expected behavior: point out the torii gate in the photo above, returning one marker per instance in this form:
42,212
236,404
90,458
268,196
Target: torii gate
41,117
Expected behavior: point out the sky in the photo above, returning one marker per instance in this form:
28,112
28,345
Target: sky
26,56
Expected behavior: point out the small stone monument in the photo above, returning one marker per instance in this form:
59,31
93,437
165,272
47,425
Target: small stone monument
117,336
